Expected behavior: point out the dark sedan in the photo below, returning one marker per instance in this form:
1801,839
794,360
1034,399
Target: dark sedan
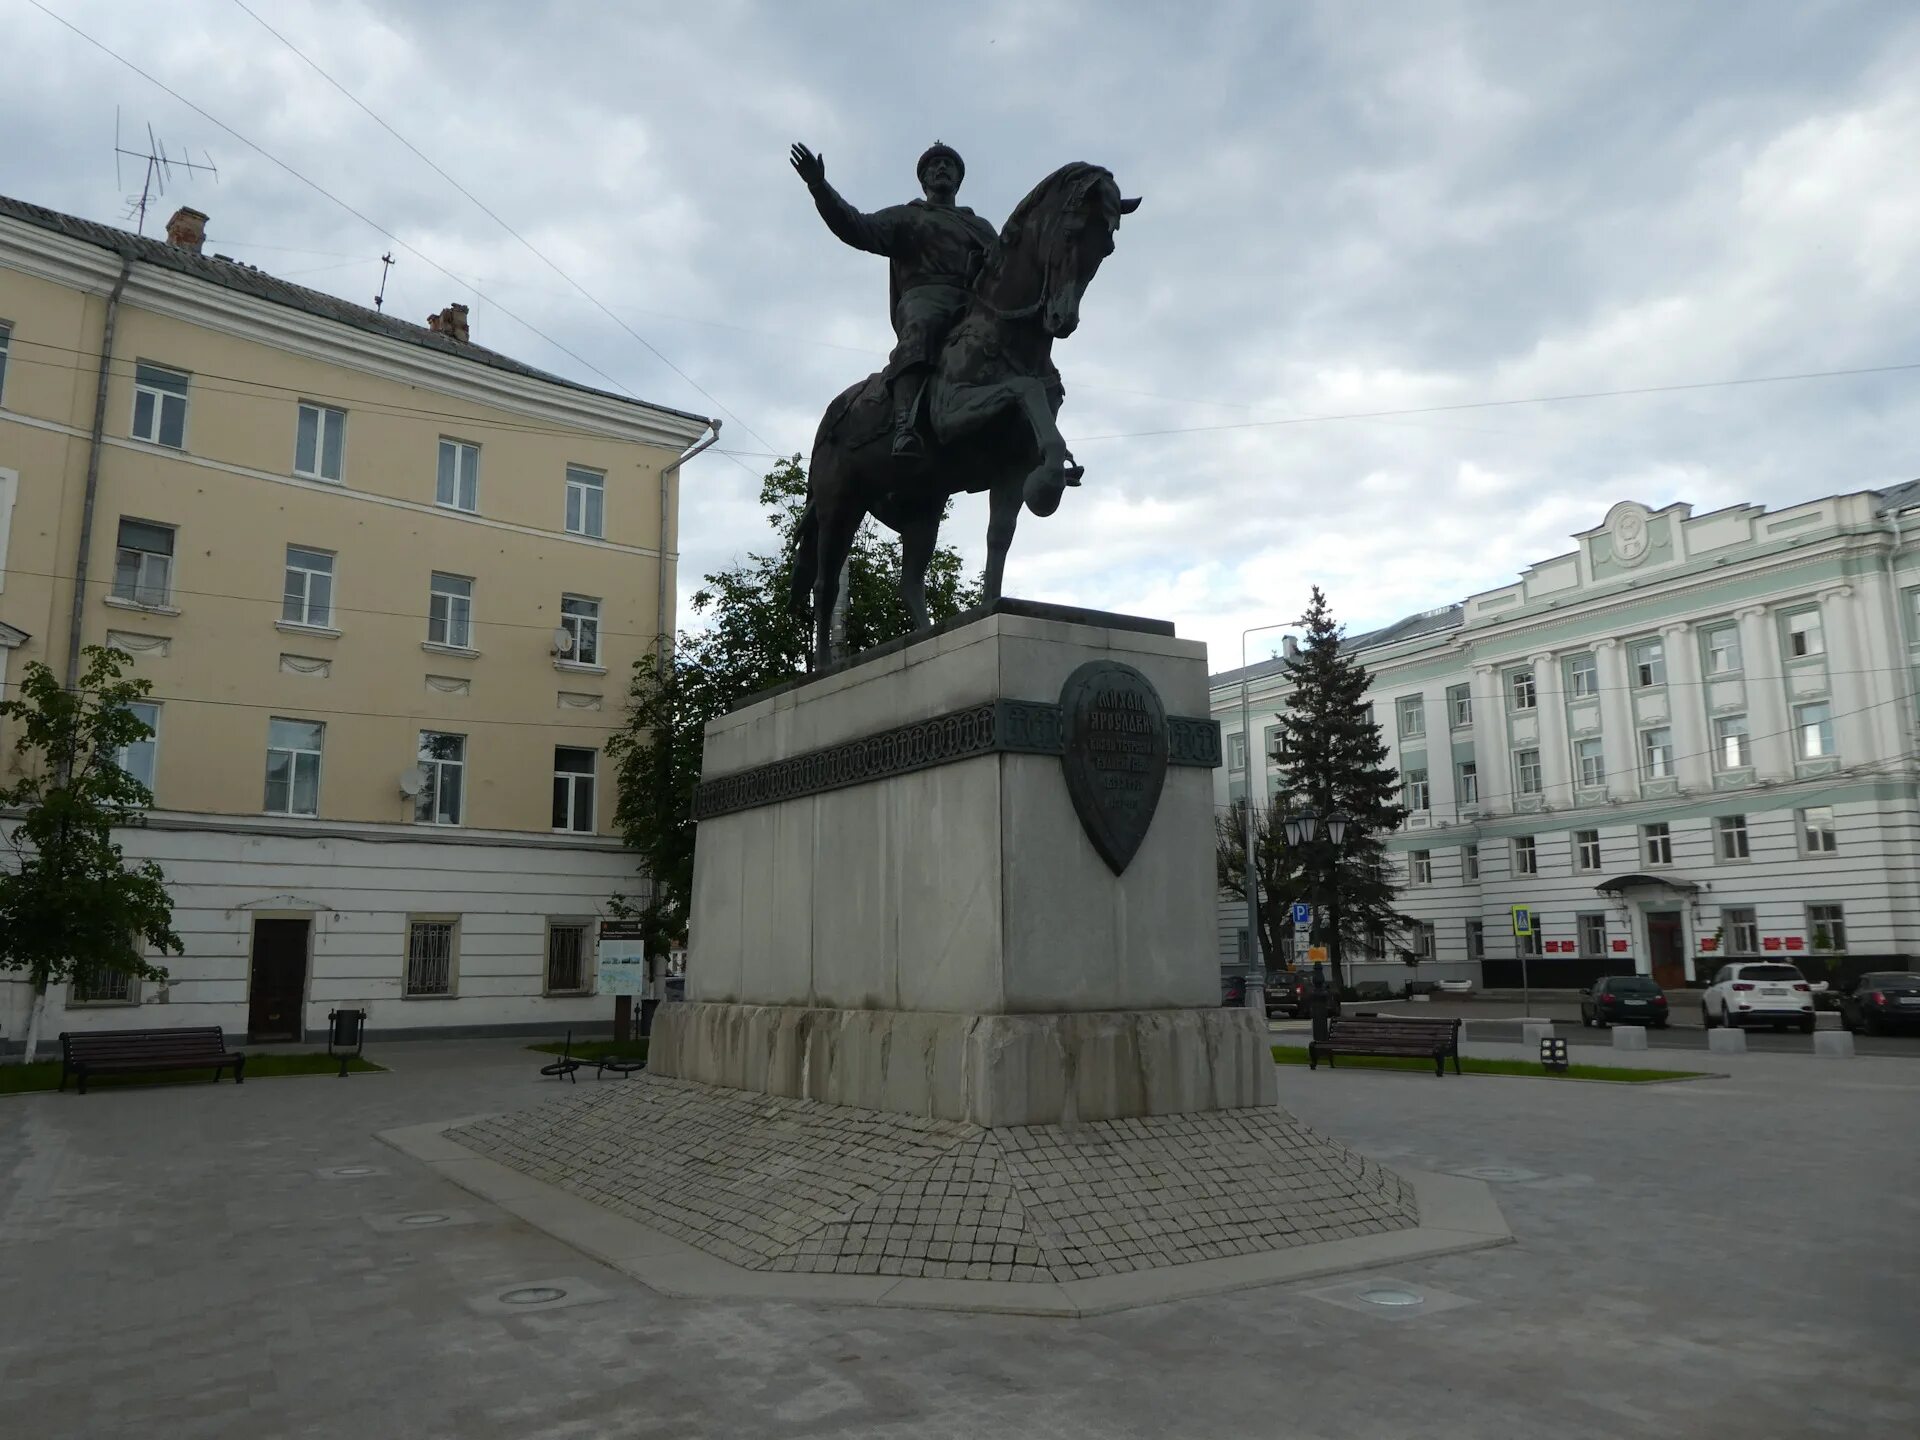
1623,1000
1289,992
1880,1001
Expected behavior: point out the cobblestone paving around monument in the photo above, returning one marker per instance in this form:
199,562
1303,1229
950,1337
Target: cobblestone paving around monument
793,1185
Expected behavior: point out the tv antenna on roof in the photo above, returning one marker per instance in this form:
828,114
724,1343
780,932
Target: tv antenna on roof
386,264
160,167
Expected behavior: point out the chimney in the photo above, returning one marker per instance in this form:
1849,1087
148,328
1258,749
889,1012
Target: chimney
1290,647
187,229
450,322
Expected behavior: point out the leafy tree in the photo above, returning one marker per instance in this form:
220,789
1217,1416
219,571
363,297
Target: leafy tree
752,639
1278,878
70,905
1335,759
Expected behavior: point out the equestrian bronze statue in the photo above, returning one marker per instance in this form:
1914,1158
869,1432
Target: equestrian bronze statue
968,397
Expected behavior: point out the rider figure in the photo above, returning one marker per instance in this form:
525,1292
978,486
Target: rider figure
937,249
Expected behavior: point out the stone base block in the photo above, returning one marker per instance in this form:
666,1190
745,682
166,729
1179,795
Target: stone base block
1533,1032
1838,1043
1727,1041
1629,1037
988,1070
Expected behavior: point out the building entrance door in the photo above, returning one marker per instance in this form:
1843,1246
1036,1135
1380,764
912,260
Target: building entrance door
1664,950
277,987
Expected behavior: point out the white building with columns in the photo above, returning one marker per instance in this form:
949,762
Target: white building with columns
1690,739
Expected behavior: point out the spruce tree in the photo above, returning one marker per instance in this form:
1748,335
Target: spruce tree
1336,760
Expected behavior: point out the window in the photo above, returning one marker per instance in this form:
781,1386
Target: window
1649,664
1583,676
1805,635
1593,934
1590,763
1470,861
1460,705
566,958
444,758
1476,939
1530,944
159,406
143,565
430,956
1526,855
1586,849
1731,831
319,438
1742,927
1656,753
1526,771
1236,752
293,766
1412,710
1813,729
1817,833
1732,745
1723,650
572,789
102,985
308,597
586,502
1276,743
450,611
1420,939
458,484
1826,928
6,339
1656,842
1415,793
1520,689
580,618
138,756
1420,867
1466,782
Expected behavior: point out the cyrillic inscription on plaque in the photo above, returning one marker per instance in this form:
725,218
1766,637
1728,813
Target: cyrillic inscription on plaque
1116,756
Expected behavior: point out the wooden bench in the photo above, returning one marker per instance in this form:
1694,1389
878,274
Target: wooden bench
1373,1035
100,1052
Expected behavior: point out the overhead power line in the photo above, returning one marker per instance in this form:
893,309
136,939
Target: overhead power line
492,215
322,190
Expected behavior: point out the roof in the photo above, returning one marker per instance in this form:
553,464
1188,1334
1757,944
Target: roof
1412,627
1894,498
246,280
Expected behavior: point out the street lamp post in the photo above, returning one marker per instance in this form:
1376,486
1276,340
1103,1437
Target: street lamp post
1303,830
1256,987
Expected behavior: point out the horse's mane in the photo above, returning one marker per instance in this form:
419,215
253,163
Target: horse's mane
1071,181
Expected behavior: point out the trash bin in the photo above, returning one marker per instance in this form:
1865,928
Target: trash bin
346,1035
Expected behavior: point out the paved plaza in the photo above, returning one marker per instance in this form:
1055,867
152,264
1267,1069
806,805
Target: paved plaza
1732,1257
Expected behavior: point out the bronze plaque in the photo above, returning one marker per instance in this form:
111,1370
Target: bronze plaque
1116,755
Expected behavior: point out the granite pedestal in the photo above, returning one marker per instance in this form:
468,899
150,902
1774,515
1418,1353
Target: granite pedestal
897,906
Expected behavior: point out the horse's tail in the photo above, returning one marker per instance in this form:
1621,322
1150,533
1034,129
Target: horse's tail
806,562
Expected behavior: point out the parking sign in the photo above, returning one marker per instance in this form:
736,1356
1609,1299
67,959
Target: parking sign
1302,913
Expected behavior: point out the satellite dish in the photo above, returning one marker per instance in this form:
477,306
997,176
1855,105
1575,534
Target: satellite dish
563,641
413,780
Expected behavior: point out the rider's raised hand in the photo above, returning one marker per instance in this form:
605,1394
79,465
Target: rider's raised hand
812,168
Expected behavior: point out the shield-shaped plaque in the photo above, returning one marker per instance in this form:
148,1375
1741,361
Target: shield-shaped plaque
1116,755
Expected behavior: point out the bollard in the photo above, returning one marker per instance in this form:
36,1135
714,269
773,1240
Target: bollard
1533,1032
1629,1037
1725,1040
1837,1043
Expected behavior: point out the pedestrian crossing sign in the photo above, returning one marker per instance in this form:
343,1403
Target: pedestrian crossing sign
1523,920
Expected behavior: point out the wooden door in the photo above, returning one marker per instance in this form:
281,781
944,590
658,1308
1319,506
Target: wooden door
277,989
1663,949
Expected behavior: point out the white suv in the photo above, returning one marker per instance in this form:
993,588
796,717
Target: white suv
1765,993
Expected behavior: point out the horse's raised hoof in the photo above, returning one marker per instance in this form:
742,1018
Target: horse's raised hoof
1074,472
1043,490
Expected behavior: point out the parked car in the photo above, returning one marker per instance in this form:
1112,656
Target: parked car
1289,992
1761,993
1624,1000
1881,1000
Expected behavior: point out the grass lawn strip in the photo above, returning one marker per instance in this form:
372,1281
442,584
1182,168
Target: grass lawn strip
1619,1075
18,1079
592,1050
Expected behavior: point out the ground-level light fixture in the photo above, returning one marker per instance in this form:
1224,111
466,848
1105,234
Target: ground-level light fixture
1553,1054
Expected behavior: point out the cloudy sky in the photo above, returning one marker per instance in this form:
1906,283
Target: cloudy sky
1349,209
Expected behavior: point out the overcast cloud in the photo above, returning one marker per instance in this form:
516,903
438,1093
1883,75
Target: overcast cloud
1347,208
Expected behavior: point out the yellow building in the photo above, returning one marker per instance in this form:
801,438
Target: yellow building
388,586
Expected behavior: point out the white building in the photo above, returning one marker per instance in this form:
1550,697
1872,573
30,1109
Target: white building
1691,737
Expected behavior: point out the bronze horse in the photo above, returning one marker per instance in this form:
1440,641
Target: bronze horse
990,407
